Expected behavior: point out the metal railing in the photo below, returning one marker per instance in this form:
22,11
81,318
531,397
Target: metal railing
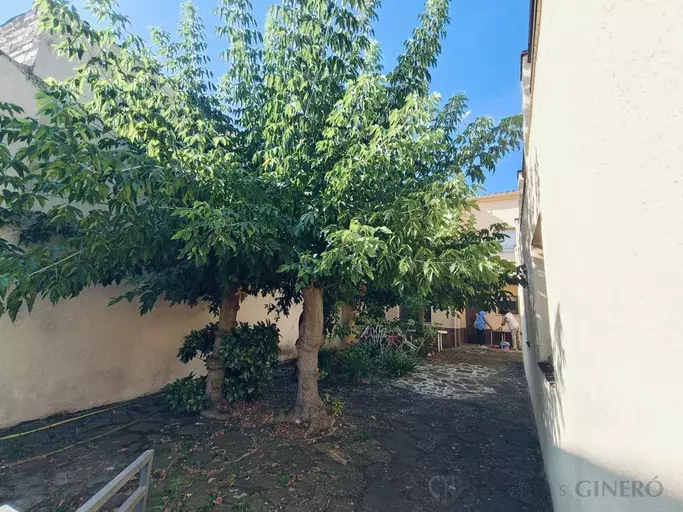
136,501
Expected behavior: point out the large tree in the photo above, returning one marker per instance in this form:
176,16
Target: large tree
376,172
141,177
305,158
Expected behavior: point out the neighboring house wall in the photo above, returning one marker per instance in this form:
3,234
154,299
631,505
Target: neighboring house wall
601,237
504,205
81,353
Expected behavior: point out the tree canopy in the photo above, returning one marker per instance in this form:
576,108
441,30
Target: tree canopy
304,168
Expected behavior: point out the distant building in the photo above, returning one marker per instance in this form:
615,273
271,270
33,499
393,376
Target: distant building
600,233
499,208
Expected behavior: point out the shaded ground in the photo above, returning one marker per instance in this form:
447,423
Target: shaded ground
458,435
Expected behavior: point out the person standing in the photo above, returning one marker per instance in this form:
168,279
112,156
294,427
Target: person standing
480,324
512,324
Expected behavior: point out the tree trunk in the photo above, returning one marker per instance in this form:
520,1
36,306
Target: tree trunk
421,318
227,321
309,407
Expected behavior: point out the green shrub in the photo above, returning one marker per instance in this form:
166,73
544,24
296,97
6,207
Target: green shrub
249,354
397,363
187,395
360,361
330,363
354,363
334,405
198,341
343,332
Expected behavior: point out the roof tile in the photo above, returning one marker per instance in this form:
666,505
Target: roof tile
18,37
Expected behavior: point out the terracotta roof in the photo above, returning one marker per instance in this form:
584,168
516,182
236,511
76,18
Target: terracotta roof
19,38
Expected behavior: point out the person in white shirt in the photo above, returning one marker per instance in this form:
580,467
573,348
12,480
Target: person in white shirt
512,324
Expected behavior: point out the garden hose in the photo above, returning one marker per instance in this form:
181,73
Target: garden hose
63,422
90,439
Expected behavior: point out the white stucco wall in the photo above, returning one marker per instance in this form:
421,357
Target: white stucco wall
603,170
47,64
81,353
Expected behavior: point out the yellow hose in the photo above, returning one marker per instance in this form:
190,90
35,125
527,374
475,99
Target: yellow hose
45,427
68,447
90,439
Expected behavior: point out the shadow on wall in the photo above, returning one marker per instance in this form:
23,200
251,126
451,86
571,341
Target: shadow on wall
576,480
576,483
553,411
546,345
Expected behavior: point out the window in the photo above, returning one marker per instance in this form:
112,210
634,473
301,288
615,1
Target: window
536,309
510,242
511,305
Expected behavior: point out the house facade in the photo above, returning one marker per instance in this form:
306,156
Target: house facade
80,353
601,203
498,208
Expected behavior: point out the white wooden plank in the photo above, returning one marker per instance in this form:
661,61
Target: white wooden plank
97,501
133,499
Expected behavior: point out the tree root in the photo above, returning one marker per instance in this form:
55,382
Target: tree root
221,412
288,416
318,421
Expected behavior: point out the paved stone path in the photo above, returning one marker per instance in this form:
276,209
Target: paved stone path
456,382
456,436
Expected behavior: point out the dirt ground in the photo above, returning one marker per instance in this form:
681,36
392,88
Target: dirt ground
458,435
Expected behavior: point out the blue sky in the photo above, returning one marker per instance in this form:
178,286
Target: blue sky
480,54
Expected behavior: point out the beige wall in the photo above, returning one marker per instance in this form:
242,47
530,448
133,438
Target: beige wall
496,319
504,205
501,208
254,309
392,313
444,319
82,353
603,171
